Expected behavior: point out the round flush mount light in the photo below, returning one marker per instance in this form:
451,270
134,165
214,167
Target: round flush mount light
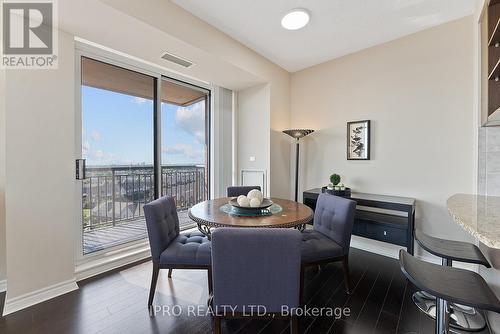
295,19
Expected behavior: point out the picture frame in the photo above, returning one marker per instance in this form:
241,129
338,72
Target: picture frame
358,140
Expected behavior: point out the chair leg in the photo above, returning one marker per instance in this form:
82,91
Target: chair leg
347,276
170,273
209,274
217,321
210,301
301,287
294,325
154,279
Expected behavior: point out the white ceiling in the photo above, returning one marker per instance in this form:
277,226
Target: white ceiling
337,27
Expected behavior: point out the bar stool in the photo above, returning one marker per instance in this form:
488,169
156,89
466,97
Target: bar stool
460,317
449,285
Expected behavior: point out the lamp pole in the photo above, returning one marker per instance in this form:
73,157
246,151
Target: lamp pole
297,170
297,134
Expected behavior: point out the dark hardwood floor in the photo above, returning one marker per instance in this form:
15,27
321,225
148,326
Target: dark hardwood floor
116,303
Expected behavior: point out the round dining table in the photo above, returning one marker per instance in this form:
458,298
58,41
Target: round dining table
210,214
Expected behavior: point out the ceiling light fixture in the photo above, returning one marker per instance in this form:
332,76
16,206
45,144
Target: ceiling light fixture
295,19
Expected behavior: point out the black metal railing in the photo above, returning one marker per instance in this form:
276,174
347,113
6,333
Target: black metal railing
117,194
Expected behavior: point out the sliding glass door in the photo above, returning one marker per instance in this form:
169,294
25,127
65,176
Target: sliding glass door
184,145
120,113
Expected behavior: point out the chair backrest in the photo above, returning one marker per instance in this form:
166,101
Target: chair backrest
256,267
162,223
334,217
240,190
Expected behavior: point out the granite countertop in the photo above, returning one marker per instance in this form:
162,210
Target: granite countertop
479,215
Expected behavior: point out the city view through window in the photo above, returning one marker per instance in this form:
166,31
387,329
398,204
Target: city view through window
118,145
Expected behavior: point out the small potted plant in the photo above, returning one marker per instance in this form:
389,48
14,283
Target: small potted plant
336,188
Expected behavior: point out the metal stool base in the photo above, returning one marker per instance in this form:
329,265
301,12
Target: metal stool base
461,317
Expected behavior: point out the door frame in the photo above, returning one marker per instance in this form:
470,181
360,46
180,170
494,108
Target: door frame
106,259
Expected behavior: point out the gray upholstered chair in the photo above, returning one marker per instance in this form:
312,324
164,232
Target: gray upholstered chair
330,238
255,267
171,249
240,190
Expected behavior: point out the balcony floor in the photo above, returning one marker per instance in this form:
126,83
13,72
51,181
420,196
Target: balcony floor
125,232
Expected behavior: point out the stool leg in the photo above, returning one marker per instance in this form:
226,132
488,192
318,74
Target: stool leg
441,316
446,306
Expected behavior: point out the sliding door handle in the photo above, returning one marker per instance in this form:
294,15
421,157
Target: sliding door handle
80,169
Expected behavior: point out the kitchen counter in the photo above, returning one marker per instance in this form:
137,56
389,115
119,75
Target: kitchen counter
478,215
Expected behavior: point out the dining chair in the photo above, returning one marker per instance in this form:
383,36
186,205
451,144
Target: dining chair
255,266
330,238
171,249
236,191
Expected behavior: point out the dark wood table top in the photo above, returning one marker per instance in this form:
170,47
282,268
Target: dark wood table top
374,198
209,213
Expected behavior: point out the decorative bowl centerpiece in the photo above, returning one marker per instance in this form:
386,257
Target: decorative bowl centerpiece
266,202
253,201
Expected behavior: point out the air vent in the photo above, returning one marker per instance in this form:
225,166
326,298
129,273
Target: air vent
178,60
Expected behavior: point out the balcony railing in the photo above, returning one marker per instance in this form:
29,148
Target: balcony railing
114,194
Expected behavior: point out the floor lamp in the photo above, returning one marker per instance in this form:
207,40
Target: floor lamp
297,134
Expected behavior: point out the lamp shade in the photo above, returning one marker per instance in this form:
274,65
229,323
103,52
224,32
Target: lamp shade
298,133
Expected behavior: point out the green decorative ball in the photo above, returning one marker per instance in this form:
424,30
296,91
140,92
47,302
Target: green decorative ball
335,179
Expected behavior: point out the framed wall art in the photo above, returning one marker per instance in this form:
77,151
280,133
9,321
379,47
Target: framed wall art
358,140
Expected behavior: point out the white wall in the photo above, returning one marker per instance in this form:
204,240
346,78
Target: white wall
222,140
280,143
40,168
3,259
253,115
3,264
418,93
40,186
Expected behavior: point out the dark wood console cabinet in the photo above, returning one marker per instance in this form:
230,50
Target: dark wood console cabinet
382,226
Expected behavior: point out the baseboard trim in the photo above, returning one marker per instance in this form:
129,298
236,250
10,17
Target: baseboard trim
83,271
377,247
29,299
3,285
104,264
392,251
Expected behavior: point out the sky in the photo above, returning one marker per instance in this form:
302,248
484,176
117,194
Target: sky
118,130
